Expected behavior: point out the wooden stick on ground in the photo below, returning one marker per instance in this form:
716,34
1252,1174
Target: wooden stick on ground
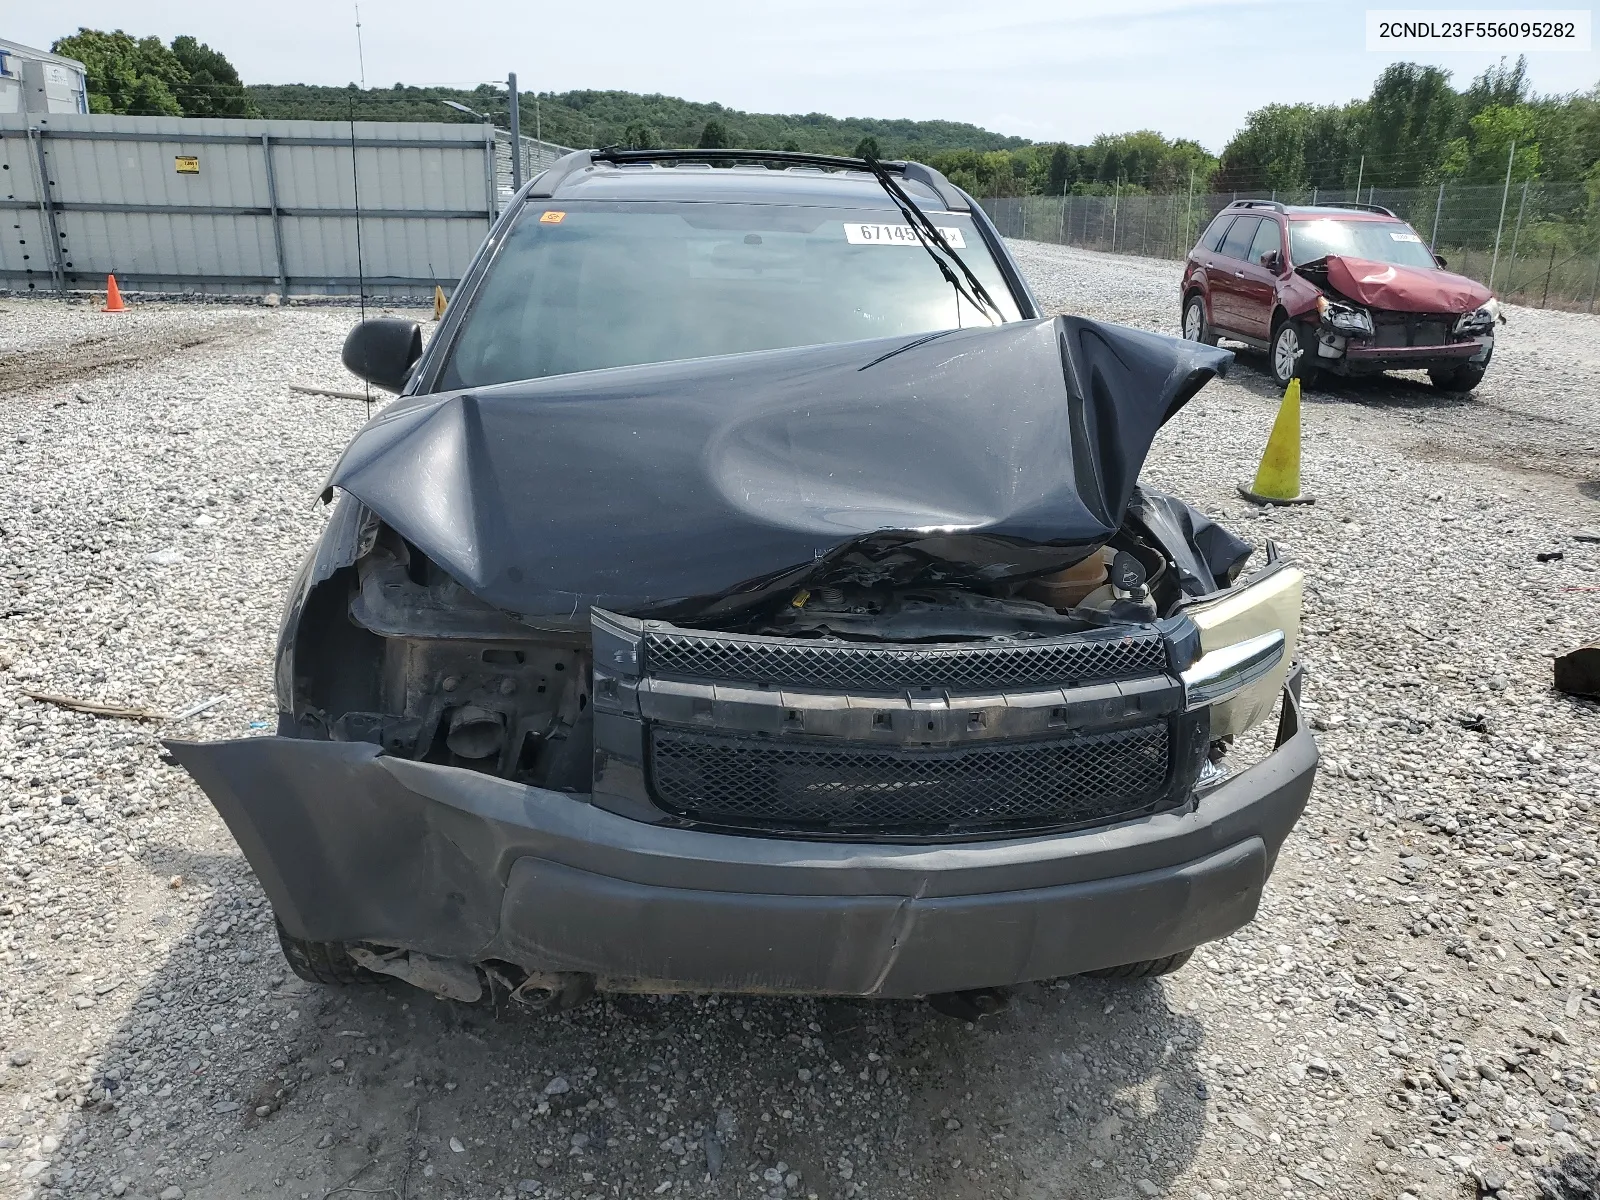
311,391
96,708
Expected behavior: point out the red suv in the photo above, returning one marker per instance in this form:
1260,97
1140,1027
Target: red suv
1350,289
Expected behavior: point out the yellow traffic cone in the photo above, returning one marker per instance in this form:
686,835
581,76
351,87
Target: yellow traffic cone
1278,477
438,302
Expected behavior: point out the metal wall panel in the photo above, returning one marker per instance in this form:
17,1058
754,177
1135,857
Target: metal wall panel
272,203
25,256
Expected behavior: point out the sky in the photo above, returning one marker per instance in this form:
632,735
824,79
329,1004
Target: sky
1048,70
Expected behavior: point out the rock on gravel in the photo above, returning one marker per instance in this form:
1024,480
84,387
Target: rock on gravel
1414,1012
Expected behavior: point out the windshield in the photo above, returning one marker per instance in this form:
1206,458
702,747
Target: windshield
1380,241
594,284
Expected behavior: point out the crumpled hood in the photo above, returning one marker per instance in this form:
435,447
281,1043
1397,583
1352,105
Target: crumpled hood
1404,289
971,455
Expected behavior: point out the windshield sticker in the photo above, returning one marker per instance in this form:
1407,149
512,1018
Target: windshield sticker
552,218
1405,237
895,235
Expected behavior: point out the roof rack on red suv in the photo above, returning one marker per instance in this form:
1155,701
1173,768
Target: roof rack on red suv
1279,206
1357,205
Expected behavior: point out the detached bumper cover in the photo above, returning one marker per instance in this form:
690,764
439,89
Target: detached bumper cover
351,845
1407,355
1359,357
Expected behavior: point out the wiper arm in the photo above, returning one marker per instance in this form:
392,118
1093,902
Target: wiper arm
929,236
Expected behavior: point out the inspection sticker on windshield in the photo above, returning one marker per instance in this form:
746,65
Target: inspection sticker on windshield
895,235
1405,237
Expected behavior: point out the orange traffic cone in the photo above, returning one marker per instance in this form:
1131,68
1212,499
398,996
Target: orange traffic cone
113,296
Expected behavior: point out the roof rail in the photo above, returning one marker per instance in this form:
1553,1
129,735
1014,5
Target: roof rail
1272,204
545,185
1356,204
953,198
570,164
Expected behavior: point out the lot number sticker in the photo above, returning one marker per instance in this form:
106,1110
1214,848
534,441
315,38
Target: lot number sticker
186,164
1405,237
895,235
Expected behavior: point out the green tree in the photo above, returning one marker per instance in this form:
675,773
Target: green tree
867,147
1483,155
141,77
1411,115
1269,153
1063,172
714,136
1499,86
145,78
1332,145
1568,131
1133,166
213,88
997,174
640,137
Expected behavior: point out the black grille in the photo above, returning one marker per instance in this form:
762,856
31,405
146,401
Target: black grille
1394,330
1082,779
964,668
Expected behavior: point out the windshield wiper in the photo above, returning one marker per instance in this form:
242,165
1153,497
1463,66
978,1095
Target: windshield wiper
928,235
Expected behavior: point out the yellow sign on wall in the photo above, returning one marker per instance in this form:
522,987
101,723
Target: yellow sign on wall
186,164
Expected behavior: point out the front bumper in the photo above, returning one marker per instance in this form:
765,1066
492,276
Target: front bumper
354,846
1352,356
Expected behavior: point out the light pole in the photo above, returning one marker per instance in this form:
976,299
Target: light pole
471,112
516,133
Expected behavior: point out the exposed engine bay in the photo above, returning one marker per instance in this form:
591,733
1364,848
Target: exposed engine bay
391,650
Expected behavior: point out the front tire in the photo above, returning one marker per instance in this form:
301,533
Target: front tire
1458,381
1195,326
1286,355
1147,969
321,962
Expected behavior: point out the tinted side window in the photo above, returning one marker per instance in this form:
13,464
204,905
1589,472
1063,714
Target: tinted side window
1214,233
1268,240
1237,243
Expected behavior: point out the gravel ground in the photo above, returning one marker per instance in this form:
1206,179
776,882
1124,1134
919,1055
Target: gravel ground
1414,1013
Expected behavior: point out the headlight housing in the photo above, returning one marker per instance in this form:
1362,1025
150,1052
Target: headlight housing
1247,641
1345,318
1480,319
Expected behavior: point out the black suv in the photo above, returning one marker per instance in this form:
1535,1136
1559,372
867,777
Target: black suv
751,591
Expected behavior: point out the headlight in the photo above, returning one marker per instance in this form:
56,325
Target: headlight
1247,640
1225,672
1344,317
1483,318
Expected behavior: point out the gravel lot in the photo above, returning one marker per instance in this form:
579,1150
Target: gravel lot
1414,1013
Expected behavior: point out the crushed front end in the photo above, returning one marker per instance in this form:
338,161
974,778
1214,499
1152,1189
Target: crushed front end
1369,318
659,806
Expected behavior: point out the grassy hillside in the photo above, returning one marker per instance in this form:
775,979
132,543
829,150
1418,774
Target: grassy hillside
590,118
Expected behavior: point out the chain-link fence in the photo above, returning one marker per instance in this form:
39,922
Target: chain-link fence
536,156
1534,243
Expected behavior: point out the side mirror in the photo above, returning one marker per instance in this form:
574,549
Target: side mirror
1439,258
1272,261
382,350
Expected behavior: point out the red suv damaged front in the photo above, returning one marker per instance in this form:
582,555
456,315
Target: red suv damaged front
1348,290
